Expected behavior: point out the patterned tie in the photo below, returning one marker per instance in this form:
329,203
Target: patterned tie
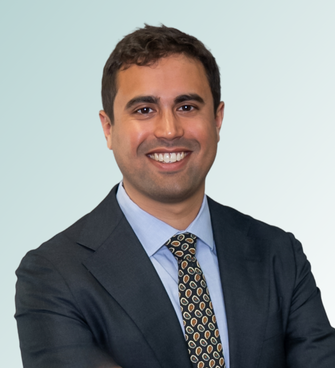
201,331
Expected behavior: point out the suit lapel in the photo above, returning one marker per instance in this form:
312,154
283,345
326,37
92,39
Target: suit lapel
123,268
244,284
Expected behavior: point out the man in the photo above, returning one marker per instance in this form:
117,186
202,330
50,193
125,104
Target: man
159,275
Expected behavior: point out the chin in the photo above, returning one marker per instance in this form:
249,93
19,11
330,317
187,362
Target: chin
174,194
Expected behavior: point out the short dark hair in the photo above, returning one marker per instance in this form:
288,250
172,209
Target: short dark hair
147,45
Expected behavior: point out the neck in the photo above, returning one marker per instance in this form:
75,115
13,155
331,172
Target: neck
179,215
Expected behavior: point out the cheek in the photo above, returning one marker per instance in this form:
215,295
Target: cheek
206,134
129,140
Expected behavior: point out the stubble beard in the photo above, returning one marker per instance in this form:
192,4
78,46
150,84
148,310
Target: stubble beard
170,187
165,187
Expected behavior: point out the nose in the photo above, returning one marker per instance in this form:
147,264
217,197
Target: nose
168,126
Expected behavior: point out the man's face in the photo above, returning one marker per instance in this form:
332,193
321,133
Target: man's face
165,132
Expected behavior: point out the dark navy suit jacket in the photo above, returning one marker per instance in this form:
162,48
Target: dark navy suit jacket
90,297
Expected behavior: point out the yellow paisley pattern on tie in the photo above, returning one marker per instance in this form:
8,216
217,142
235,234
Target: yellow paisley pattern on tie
201,332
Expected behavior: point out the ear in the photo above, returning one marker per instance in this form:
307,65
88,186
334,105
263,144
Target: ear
106,127
218,118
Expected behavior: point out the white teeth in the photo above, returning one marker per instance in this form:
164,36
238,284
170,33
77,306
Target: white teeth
168,157
173,157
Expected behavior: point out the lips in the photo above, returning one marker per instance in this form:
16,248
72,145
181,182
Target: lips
167,157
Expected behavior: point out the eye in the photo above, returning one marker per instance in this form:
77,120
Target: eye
186,108
144,110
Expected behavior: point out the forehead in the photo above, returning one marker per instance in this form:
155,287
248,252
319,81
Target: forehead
167,78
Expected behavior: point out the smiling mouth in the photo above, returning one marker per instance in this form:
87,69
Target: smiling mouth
168,158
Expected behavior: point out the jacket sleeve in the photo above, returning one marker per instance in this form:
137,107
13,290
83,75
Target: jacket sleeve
52,332
310,339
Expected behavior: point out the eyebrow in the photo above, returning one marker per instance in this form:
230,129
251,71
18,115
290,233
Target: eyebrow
141,99
155,100
190,97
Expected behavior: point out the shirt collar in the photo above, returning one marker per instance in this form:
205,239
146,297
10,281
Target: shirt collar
154,233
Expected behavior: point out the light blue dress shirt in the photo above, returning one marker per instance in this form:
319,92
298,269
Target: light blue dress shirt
154,233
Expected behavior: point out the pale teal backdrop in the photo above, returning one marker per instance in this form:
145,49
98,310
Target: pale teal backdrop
276,155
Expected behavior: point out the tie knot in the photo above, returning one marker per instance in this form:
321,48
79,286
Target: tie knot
183,247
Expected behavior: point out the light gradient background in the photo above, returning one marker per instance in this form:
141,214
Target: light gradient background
276,155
